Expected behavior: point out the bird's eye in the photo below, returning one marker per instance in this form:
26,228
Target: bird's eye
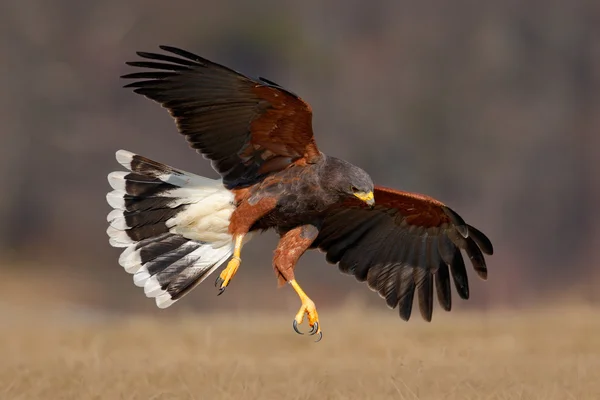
354,189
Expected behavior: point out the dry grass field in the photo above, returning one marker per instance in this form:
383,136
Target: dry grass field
535,354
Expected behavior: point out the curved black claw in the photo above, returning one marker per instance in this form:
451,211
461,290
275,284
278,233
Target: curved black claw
314,329
219,283
295,325
320,337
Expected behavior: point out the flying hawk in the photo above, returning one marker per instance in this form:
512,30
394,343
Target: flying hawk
178,227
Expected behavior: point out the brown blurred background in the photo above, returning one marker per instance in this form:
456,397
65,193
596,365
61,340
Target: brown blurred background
492,107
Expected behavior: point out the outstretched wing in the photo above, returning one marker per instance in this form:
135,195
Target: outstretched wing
407,243
248,128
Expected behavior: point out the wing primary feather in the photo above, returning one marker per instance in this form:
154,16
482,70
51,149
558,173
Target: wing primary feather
459,275
405,277
476,257
459,223
442,285
387,274
158,65
392,284
425,294
446,248
182,53
144,85
373,276
406,292
164,57
148,75
482,240
424,275
432,251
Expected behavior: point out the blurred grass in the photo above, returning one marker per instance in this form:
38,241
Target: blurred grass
365,354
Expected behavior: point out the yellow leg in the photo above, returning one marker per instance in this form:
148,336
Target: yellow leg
308,308
228,273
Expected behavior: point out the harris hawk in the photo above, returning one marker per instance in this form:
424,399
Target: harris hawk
176,227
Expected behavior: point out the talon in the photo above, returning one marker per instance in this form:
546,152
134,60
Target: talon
295,325
320,337
314,329
309,310
221,291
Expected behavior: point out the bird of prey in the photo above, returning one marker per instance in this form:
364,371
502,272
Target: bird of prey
176,227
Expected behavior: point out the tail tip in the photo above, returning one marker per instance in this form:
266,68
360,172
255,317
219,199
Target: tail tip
116,179
123,156
164,300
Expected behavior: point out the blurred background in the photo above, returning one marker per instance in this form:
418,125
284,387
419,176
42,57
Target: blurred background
492,107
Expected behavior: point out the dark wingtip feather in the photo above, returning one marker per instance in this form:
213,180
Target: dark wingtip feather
459,275
405,306
148,75
145,85
477,259
181,52
167,58
278,86
204,61
459,223
482,240
446,249
425,295
158,65
442,285
404,292
270,82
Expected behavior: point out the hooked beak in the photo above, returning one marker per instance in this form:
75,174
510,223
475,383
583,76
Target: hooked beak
368,198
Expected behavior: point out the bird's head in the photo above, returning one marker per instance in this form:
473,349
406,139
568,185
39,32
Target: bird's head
348,180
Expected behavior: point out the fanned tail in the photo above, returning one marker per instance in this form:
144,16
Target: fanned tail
173,225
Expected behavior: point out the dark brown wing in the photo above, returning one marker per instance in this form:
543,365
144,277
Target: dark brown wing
406,243
247,128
